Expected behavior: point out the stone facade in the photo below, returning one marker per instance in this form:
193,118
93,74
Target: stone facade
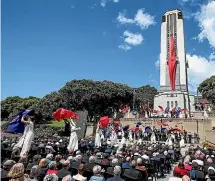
172,24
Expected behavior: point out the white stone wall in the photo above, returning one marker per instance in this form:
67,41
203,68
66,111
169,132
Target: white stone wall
163,55
181,51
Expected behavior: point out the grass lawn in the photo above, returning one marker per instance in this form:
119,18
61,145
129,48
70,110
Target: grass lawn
56,124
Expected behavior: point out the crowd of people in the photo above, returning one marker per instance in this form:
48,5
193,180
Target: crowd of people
112,155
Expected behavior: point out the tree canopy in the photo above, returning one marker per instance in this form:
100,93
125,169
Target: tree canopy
99,98
207,89
12,105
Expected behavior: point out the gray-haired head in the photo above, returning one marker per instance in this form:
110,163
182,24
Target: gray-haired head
35,171
133,163
51,177
139,161
52,165
117,171
128,159
115,162
97,169
91,159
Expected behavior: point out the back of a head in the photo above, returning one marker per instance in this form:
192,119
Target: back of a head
81,168
133,163
139,161
51,177
128,159
17,170
91,159
66,163
35,171
117,171
97,169
114,162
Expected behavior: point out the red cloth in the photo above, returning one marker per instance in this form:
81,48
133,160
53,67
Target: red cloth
61,113
165,124
161,108
155,111
49,172
172,63
180,171
104,121
188,167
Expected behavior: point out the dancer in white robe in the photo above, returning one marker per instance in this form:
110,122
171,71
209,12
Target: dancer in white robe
73,140
181,143
153,138
113,137
27,137
97,138
205,114
130,136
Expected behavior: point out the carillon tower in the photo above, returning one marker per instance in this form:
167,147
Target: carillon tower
173,65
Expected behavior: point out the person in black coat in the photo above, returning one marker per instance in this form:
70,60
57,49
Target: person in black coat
132,173
64,171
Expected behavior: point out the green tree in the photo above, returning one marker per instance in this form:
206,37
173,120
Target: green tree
207,89
12,105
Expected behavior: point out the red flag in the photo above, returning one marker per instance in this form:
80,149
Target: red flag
155,111
173,110
172,63
61,113
104,121
125,110
161,108
57,114
165,124
137,129
121,106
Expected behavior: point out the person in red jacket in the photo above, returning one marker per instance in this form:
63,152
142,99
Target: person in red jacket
52,168
180,171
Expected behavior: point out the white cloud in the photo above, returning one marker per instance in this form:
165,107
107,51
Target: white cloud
131,39
199,69
206,20
144,20
124,47
104,2
141,19
123,20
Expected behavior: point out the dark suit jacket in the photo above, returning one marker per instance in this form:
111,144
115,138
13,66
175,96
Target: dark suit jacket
133,174
115,178
110,170
62,173
89,166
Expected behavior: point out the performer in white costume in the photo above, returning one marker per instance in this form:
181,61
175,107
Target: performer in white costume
181,143
113,136
73,140
146,114
153,138
130,136
97,138
27,137
205,114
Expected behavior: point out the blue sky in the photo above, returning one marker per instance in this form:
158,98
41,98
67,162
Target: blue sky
46,43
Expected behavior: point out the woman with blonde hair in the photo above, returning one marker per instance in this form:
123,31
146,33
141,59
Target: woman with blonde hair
16,173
